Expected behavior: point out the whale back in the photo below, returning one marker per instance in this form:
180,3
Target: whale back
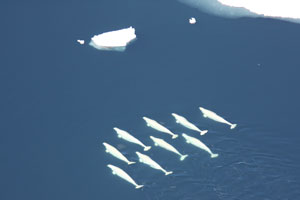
209,113
127,136
160,127
148,120
191,140
115,152
212,115
157,140
108,146
166,145
121,173
115,170
111,149
148,161
177,117
198,143
182,119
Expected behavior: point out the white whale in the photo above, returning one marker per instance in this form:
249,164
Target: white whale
155,125
126,136
148,161
116,153
184,122
211,115
122,174
199,144
163,144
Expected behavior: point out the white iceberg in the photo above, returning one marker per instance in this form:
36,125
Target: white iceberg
288,10
192,20
80,42
271,8
113,40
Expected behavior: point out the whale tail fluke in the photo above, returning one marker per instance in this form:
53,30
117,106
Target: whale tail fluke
214,155
233,126
174,136
203,132
168,173
130,163
139,186
183,157
147,148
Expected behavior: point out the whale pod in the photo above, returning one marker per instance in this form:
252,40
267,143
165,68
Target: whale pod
163,144
148,161
128,137
122,174
211,115
196,142
184,122
157,126
116,153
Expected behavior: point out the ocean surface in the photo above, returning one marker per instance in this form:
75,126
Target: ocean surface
60,101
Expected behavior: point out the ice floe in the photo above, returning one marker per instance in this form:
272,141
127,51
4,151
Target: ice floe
80,42
113,40
192,20
288,10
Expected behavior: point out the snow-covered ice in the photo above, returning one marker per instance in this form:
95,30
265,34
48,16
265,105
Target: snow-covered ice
271,8
114,40
192,20
80,41
288,10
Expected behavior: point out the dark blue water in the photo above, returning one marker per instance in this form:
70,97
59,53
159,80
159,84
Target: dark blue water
60,100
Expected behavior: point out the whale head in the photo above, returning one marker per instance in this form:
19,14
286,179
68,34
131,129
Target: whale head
138,153
152,138
145,118
105,144
203,110
174,115
116,129
111,166
184,135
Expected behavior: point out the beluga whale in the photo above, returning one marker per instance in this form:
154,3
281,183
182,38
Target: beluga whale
116,153
211,115
199,144
126,136
184,122
157,126
148,161
122,174
163,144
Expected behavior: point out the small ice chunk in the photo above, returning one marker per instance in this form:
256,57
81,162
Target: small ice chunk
192,20
113,40
80,42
